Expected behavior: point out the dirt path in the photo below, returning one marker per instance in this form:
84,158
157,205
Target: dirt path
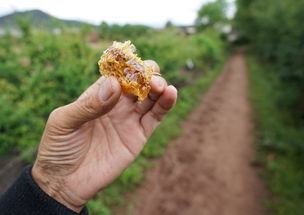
207,170
10,169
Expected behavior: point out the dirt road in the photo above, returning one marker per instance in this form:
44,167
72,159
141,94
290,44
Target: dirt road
207,170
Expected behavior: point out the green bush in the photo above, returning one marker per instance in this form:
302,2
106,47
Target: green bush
280,142
275,31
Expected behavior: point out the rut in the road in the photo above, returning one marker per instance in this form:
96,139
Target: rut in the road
207,170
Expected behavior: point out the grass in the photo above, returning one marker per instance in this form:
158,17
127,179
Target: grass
170,128
280,143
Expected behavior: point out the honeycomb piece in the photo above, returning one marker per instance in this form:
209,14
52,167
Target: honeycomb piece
121,61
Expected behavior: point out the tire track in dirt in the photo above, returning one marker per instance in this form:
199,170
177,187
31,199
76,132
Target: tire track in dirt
207,170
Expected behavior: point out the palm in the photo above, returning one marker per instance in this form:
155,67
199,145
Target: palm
114,139
89,142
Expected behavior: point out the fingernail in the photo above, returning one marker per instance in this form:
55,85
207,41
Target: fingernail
158,81
106,89
173,88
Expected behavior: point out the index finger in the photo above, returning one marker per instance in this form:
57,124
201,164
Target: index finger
154,65
158,84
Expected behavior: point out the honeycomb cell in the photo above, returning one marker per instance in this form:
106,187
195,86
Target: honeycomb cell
121,61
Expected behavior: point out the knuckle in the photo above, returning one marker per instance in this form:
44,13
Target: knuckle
88,106
157,116
53,123
154,65
55,114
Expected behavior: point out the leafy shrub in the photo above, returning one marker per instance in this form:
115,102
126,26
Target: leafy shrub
280,142
275,31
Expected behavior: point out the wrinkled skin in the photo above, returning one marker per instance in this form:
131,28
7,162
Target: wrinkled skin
88,143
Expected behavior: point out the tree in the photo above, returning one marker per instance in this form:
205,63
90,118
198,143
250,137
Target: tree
104,30
275,31
169,24
24,25
211,14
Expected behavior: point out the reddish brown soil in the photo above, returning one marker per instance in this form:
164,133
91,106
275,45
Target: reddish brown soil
207,170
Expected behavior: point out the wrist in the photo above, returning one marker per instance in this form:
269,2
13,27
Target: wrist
56,188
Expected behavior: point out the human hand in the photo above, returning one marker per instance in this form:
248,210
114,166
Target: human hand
88,143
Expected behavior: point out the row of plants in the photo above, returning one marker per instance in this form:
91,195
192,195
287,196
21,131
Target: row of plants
273,30
280,140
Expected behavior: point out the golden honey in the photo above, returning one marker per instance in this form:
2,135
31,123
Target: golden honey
121,61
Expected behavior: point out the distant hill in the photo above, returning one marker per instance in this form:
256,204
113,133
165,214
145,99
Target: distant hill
38,19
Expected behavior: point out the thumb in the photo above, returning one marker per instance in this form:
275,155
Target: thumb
96,101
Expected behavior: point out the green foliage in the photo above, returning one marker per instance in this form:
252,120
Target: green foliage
280,143
169,24
24,26
123,32
31,73
210,53
211,14
275,30
171,51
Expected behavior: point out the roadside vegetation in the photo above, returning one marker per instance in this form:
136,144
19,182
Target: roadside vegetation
279,142
273,32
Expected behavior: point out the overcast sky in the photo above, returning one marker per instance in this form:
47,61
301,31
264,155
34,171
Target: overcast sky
149,12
